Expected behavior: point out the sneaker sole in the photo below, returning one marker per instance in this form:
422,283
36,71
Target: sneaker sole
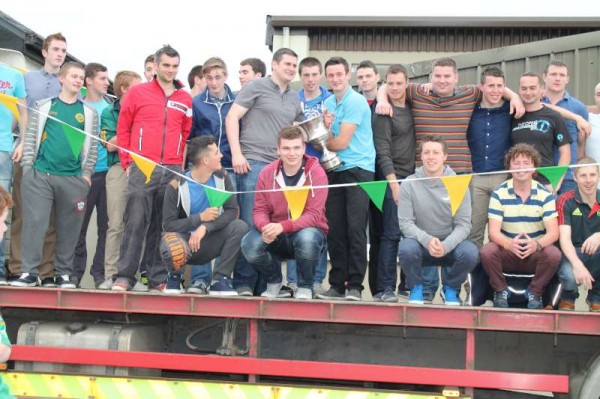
304,298
353,298
196,292
170,292
17,284
452,303
67,286
334,298
390,300
415,302
222,293
117,288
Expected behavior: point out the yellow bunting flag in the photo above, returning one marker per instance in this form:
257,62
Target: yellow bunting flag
145,165
457,187
11,103
296,200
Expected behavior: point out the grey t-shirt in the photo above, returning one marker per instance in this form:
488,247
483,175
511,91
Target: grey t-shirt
40,85
268,111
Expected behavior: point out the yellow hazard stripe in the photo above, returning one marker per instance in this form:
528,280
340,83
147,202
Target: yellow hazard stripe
83,387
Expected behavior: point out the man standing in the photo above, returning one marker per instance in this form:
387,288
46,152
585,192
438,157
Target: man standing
154,122
540,126
195,229
149,68
116,178
196,81
579,228
351,136
57,164
276,232
11,84
523,228
96,82
556,78
39,85
250,69
395,147
367,79
264,107
432,235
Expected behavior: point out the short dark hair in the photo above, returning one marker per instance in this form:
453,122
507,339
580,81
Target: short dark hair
257,65
556,63
444,62
92,69
148,59
55,36
522,149
396,69
278,55
434,138
194,72
290,133
534,75
198,147
367,64
337,61
491,71
166,50
310,62
68,65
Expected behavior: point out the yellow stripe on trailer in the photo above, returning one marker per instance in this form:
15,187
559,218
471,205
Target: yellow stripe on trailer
32,385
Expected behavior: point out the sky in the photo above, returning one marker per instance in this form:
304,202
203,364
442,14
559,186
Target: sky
120,34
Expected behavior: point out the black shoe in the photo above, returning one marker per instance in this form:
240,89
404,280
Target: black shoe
534,301
64,282
48,282
501,298
25,280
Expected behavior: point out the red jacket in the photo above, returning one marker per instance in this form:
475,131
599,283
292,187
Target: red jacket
272,207
154,125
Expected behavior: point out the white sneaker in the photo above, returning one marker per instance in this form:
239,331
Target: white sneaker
304,293
139,287
106,284
272,290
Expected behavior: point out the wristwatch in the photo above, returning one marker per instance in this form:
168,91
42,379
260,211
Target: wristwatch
539,246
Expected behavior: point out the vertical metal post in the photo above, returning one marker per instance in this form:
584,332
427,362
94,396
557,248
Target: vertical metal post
470,357
253,345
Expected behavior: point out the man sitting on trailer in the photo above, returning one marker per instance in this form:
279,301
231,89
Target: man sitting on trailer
195,231
283,229
579,228
522,228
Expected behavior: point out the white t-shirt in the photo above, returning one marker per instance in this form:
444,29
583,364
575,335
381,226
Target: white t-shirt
592,144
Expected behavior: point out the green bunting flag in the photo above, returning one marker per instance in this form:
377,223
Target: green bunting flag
553,173
75,139
376,191
215,197
83,92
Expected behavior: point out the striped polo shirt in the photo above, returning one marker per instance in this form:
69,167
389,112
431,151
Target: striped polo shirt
518,216
447,117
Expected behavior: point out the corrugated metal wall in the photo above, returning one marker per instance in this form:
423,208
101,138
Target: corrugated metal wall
431,39
581,52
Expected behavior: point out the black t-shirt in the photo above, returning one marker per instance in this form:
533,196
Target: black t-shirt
542,129
291,181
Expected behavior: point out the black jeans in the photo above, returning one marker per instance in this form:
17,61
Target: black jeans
348,214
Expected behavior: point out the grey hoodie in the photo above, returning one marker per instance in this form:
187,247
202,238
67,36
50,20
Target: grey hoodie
424,211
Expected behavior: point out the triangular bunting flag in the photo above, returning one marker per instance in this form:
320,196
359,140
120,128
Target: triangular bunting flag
296,200
216,197
376,191
75,138
11,103
145,165
553,173
457,187
83,91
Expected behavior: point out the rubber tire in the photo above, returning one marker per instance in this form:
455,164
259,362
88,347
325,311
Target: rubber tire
590,389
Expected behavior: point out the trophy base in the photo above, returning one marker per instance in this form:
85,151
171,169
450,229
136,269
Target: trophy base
331,164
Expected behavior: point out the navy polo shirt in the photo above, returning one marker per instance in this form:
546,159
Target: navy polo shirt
488,136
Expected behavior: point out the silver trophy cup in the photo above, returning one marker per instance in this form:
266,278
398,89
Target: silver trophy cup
317,134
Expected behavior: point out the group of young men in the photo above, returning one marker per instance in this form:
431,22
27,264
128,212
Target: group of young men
158,220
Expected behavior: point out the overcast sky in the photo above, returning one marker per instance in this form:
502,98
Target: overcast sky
120,34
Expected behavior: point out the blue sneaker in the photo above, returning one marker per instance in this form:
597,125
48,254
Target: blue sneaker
501,298
173,286
416,295
377,297
450,296
533,301
222,287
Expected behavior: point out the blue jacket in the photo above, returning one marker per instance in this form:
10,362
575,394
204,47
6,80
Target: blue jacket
208,117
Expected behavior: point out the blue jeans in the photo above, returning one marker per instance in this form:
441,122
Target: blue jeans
320,271
570,290
458,262
305,246
201,273
5,181
244,275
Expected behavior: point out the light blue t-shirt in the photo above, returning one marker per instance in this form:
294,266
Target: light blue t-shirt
198,198
11,84
353,108
102,162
